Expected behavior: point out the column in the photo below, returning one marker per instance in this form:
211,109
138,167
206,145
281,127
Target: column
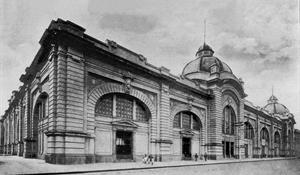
27,124
165,130
215,125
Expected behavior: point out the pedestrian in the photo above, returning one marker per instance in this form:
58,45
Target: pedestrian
196,157
151,159
145,158
205,156
148,159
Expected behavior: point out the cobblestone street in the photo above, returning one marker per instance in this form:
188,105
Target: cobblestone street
19,165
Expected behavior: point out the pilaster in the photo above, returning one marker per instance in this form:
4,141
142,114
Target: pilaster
27,125
214,144
68,141
165,130
240,136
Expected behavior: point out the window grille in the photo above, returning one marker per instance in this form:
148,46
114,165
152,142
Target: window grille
104,106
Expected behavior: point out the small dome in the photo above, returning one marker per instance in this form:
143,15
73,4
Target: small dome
205,60
204,64
273,107
204,47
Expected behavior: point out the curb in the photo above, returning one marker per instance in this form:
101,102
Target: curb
161,167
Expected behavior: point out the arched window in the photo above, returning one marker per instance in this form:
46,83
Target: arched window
104,106
264,135
289,141
249,132
277,138
186,120
41,108
228,120
196,123
122,106
176,121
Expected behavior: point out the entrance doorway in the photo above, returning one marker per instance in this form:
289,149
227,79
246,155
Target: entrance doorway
186,148
263,151
124,145
246,151
276,151
228,149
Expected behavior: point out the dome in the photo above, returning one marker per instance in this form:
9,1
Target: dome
273,107
204,47
205,61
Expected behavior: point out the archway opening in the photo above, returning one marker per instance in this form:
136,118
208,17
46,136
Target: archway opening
249,139
41,111
289,142
228,120
228,129
277,144
264,140
125,113
189,124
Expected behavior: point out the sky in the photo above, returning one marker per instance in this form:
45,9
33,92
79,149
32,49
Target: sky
258,39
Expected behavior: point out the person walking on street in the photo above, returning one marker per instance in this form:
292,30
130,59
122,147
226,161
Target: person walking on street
145,159
196,157
151,158
205,156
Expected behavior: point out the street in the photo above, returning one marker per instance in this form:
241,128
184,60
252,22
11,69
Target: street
282,167
275,166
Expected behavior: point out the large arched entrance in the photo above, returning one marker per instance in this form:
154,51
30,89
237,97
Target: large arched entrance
249,139
189,127
129,119
41,111
264,140
277,144
228,128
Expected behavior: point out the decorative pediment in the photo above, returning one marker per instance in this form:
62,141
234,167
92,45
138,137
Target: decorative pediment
187,133
124,124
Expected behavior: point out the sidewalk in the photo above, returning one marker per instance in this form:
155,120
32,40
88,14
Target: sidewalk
19,165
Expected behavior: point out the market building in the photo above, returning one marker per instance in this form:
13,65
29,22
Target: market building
84,100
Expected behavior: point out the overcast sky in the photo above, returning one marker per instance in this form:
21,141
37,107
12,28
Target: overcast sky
256,38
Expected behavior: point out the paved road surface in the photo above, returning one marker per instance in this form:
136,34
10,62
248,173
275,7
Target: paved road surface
19,165
280,167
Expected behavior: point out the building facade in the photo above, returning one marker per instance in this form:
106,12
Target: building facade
83,101
297,142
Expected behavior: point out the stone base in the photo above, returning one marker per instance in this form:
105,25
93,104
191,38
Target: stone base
240,156
29,155
169,157
138,158
69,158
214,157
104,158
256,156
14,149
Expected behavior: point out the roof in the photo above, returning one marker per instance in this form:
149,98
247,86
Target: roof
273,107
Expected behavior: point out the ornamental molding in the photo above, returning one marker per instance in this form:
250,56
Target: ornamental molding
186,133
127,80
190,100
124,124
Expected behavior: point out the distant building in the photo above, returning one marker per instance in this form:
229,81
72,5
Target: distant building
83,101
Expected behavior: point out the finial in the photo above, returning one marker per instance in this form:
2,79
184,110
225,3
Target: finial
272,90
204,34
